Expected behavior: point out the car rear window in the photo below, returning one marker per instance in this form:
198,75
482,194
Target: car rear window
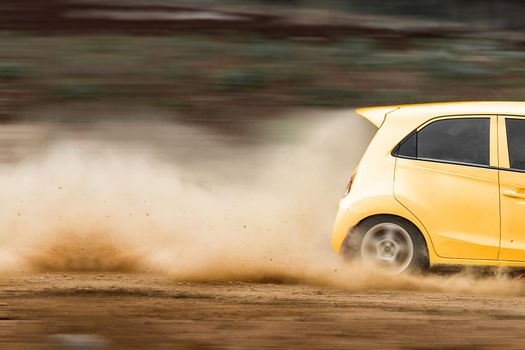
516,142
458,140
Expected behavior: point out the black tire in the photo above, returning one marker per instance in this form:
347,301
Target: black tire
419,260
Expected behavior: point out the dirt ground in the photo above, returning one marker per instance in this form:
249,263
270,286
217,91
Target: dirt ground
152,312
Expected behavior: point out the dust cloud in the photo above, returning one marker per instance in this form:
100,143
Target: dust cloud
197,205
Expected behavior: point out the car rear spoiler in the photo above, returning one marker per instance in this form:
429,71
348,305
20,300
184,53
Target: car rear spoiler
376,115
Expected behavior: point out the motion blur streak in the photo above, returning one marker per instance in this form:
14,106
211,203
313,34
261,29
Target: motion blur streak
213,212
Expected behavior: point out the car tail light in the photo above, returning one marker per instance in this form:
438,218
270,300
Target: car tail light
350,182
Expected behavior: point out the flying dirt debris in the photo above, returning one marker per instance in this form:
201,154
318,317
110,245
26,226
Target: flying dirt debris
206,212
115,236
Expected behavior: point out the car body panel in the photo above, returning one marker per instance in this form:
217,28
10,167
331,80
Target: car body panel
512,207
464,218
416,114
373,191
458,204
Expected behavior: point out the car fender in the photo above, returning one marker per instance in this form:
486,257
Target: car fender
349,216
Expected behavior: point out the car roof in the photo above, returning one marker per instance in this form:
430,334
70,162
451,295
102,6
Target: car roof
425,111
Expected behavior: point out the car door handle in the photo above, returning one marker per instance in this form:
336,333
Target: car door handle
514,194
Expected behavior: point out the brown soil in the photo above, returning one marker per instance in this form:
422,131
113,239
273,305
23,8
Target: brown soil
146,312
57,17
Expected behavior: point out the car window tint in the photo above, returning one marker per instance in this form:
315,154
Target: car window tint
462,140
407,147
516,142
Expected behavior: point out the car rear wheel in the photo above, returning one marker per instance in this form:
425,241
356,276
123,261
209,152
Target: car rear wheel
389,243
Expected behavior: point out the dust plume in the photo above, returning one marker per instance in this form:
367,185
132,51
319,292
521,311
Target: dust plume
195,204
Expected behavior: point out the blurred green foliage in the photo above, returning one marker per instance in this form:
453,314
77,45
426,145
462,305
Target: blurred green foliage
10,71
496,13
187,71
236,79
331,97
267,50
79,90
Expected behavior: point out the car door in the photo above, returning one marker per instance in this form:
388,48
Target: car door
512,186
446,175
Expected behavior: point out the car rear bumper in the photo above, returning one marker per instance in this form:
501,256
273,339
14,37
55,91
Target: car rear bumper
346,220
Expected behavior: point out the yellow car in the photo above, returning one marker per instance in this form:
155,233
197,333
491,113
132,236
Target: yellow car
440,183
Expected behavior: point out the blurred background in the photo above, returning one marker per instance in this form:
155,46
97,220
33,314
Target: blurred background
251,103
224,63
231,66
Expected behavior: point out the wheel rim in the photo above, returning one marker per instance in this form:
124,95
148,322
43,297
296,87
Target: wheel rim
387,246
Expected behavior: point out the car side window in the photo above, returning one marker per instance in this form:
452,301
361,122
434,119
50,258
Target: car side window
516,142
458,140
408,147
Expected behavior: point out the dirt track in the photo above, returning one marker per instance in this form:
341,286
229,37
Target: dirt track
145,312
